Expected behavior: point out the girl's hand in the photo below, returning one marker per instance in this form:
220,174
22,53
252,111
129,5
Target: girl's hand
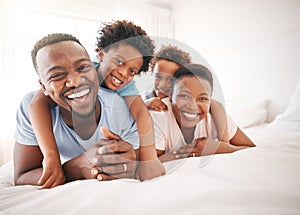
157,105
53,174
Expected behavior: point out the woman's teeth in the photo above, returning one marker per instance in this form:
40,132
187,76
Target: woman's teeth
79,94
190,115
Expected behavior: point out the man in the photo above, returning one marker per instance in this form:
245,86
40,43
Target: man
68,77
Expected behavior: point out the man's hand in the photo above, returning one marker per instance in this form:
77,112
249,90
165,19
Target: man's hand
116,158
107,159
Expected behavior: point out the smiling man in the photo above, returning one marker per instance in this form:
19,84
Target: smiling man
69,78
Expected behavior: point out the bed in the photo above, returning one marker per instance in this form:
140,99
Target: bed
259,180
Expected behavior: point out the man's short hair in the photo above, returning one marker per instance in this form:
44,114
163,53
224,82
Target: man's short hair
49,40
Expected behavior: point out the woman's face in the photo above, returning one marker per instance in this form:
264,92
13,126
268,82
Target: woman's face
119,65
190,100
163,77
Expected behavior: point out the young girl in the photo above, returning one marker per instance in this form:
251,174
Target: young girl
164,64
124,50
186,128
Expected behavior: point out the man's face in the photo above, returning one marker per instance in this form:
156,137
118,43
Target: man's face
163,77
119,65
68,77
191,99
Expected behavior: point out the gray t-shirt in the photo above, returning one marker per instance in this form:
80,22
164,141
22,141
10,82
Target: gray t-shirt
115,115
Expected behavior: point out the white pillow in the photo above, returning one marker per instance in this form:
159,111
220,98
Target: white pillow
290,118
246,114
292,112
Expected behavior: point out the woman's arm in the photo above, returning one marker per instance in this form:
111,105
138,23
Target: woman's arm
241,139
219,116
27,164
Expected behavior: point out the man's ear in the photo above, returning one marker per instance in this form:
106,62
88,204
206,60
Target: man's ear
100,54
43,88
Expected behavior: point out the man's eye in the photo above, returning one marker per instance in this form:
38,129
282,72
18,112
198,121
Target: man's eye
56,76
84,68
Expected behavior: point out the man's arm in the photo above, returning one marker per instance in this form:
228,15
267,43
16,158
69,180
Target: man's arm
27,164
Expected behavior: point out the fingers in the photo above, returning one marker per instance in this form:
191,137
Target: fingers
108,134
116,147
43,178
104,177
106,173
117,169
49,180
158,105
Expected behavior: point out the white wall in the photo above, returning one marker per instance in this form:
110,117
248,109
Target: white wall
253,46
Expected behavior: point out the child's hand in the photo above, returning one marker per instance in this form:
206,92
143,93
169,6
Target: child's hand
157,105
53,174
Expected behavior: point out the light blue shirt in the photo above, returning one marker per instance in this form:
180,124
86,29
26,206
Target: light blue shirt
128,90
115,116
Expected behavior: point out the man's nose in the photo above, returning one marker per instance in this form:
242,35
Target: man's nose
73,79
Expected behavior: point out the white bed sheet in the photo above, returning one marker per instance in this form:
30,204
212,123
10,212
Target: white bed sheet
260,180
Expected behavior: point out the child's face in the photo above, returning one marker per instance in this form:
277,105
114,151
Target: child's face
119,65
164,71
190,99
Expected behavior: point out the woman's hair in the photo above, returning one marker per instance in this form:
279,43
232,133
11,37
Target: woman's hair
49,40
113,34
194,70
172,54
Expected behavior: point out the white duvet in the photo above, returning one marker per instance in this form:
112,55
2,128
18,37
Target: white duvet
260,180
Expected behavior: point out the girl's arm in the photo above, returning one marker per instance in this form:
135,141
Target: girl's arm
40,117
219,116
149,166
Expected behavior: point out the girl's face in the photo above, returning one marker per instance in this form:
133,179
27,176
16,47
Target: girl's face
119,65
164,71
190,100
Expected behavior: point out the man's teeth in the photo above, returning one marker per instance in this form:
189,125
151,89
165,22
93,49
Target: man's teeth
79,94
190,115
116,80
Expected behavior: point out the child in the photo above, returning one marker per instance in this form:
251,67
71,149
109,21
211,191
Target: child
124,50
186,128
164,64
